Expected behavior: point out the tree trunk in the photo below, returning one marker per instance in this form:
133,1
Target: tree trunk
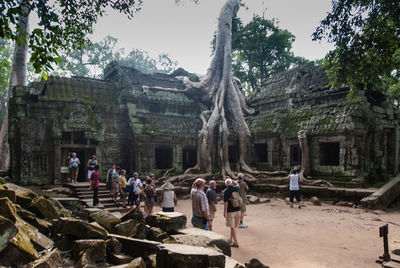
17,78
305,154
227,103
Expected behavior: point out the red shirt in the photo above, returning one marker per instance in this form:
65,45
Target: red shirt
95,179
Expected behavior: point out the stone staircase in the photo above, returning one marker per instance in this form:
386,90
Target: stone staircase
85,196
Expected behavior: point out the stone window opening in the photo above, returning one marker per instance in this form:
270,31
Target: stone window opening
295,155
329,153
261,150
79,138
163,158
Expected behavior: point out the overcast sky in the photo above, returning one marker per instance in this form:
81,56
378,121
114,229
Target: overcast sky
184,32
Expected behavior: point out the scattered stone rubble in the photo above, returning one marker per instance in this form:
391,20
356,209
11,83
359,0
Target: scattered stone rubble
39,232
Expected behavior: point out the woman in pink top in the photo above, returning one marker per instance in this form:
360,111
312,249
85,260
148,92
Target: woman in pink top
94,184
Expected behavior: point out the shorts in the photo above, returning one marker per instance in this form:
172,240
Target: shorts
200,222
89,173
212,214
133,198
294,193
243,207
233,219
115,187
75,170
149,201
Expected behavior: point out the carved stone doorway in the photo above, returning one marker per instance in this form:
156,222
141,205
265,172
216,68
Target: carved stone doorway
84,154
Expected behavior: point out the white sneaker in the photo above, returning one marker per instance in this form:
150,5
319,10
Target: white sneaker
242,225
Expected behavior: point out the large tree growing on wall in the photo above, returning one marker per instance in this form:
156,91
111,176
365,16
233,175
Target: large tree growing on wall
226,103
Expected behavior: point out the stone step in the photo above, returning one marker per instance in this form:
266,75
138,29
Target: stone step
87,191
382,197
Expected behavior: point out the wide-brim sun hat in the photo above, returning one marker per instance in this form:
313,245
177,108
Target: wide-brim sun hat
167,186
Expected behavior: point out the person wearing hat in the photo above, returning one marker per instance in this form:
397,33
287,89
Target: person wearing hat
243,188
168,197
231,213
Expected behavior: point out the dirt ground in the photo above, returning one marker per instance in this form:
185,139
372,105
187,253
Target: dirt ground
314,236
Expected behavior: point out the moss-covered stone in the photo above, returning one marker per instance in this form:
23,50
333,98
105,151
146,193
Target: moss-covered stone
133,214
78,228
7,209
51,259
96,248
8,193
23,200
7,231
170,221
125,228
40,241
43,208
105,219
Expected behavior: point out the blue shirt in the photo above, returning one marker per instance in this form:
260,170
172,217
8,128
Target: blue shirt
227,195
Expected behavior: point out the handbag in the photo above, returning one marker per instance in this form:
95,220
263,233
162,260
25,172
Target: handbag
128,189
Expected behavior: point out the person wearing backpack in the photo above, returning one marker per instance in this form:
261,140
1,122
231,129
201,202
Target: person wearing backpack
232,206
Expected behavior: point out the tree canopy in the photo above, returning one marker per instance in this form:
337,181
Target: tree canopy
367,38
260,49
63,24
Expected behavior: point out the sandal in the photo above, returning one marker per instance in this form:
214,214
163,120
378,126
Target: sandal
234,245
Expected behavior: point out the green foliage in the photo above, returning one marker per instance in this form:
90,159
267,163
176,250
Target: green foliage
63,25
367,38
5,68
260,49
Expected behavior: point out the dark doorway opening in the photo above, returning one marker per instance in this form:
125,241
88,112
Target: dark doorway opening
295,155
329,153
163,158
390,152
261,152
189,158
83,154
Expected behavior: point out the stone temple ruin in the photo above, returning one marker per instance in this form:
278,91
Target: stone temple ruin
147,122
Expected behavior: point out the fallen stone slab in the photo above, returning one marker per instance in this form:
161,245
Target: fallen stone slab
156,234
23,200
113,246
210,238
382,197
71,203
265,200
252,199
40,241
125,228
44,208
136,247
133,214
176,255
19,251
7,209
315,201
7,231
105,219
94,248
51,259
118,259
391,264
232,263
20,190
78,228
9,194
255,263
168,221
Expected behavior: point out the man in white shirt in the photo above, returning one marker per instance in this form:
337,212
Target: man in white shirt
134,195
294,189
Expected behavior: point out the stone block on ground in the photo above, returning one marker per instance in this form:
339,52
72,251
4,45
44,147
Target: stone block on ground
64,243
232,263
44,208
51,259
252,199
315,201
94,248
396,251
265,200
23,200
7,209
118,259
78,228
391,264
156,234
125,228
136,247
114,246
213,239
105,219
71,203
8,193
176,255
19,251
133,214
168,221
255,263
140,231
137,263
39,240
7,231
20,190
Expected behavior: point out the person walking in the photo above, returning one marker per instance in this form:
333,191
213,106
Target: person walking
212,200
200,210
168,197
91,163
109,184
115,186
294,188
94,185
243,188
122,187
149,193
74,163
232,209
134,195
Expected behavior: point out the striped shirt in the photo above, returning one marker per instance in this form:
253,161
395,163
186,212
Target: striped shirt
199,203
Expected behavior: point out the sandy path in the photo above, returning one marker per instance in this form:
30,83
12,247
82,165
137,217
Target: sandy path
309,237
